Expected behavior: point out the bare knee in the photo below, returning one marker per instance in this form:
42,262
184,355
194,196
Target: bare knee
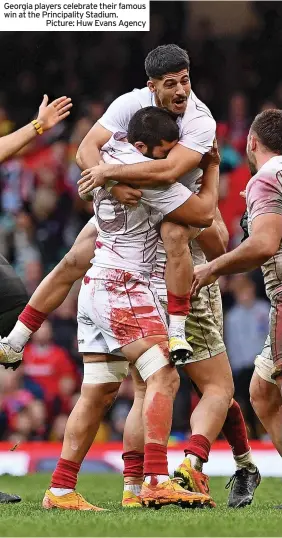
102,395
175,238
264,397
167,379
224,392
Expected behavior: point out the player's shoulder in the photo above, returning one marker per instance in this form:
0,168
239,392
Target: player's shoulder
197,109
137,97
197,113
270,174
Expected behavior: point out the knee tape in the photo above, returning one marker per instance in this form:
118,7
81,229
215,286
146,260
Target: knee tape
151,361
105,372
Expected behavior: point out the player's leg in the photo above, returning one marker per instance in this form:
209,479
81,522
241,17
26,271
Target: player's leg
178,277
266,399
133,445
206,325
150,356
50,294
7,321
102,378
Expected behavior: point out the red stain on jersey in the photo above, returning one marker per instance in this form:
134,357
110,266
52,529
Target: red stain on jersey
158,418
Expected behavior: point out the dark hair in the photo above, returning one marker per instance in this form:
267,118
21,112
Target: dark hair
268,127
166,59
151,125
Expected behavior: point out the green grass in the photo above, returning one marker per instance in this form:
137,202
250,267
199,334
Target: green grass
29,519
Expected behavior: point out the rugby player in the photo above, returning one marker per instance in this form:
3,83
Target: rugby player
262,248
12,291
206,319
169,87
121,321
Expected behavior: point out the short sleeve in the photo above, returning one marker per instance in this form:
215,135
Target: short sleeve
264,195
120,112
198,134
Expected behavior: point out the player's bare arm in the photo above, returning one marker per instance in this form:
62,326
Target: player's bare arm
88,153
48,117
152,174
252,253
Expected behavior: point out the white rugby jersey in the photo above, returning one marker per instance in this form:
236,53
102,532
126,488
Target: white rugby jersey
264,195
197,131
127,236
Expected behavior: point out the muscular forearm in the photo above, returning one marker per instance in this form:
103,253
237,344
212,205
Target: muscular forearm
208,193
148,174
87,157
13,142
247,257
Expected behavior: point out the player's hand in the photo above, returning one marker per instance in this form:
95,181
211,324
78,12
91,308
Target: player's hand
50,115
92,178
212,158
126,195
243,194
203,276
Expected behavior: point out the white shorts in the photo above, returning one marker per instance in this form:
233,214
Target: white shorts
264,363
116,308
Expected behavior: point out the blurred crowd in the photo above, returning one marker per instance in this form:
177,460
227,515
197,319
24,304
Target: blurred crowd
41,214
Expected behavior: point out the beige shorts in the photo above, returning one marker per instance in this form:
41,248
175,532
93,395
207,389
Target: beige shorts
205,324
264,362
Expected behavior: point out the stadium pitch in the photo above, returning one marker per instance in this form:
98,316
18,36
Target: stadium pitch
29,519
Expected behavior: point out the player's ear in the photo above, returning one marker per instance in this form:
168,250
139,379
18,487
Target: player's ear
141,147
151,86
253,142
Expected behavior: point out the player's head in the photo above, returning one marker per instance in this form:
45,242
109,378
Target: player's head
167,68
153,131
265,137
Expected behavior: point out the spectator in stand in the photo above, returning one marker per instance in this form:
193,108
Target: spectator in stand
238,122
48,364
246,328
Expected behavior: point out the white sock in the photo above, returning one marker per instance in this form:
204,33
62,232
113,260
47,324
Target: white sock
59,492
176,326
19,336
245,461
196,462
135,488
160,478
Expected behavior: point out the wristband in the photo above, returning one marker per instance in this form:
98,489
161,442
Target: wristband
37,127
109,185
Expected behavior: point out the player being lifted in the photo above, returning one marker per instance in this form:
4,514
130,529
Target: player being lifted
168,71
121,321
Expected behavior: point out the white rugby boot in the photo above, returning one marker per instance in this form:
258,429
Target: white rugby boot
9,357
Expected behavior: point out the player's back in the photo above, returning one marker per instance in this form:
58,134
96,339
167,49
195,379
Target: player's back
127,236
264,195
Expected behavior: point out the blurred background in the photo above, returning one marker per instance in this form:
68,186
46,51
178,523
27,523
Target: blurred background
235,50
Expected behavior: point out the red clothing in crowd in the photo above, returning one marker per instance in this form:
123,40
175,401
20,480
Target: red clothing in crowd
47,366
233,206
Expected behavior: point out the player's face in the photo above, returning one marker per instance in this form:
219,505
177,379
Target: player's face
251,144
172,91
161,152
158,152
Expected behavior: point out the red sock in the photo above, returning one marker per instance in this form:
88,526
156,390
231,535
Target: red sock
133,463
178,305
198,445
32,318
65,474
155,459
234,429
